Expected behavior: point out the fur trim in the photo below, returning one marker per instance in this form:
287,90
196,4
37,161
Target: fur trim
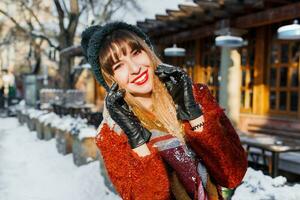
218,144
134,177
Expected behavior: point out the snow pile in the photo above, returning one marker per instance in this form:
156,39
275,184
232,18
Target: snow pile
31,169
258,186
47,118
80,128
21,105
56,121
66,123
86,132
34,113
75,126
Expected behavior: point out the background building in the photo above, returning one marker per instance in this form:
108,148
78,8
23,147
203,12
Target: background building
256,83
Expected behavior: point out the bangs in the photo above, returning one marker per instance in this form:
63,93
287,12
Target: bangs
115,46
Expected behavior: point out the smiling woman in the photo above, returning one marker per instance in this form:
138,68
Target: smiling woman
133,71
153,138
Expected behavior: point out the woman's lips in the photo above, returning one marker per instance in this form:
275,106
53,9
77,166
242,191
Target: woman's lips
141,79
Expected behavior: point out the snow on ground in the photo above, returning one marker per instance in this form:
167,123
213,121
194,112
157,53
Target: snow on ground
31,169
257,186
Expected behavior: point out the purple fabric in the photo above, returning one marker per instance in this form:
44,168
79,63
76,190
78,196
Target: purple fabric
186,170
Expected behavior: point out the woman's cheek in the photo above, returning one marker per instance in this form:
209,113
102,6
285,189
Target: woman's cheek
122,78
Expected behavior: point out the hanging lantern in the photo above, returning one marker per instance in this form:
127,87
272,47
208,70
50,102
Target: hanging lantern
174,51
229,41
289,32
86,66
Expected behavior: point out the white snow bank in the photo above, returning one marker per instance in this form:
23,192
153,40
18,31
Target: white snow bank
56,121
21,106
34,113
257,186
31,169
47,118
73,125
87,132
66,123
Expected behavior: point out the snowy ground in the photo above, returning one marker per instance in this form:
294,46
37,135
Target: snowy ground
257,186
31,169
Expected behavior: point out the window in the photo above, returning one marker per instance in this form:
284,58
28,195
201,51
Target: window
283,77
247,69
211,65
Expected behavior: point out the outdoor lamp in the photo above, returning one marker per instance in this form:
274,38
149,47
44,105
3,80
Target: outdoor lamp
229,41
174,51
83,66
289,32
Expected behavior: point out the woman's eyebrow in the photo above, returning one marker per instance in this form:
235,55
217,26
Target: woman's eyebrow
134,49
114,63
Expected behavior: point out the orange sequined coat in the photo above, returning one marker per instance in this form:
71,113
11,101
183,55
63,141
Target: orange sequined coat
145,178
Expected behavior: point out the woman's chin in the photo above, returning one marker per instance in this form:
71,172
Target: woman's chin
140,91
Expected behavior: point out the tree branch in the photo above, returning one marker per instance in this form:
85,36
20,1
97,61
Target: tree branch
105,9
13,20
29,33
61,15
43,37
73,19
34,16
65,7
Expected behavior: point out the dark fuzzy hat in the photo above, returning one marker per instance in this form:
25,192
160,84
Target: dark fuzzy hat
92,40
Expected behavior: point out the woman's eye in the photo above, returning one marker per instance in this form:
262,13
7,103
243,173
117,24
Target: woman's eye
136,52
117,67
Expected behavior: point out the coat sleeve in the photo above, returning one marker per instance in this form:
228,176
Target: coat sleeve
218,145
134,177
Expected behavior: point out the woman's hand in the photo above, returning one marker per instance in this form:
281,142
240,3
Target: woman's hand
180,88
124,117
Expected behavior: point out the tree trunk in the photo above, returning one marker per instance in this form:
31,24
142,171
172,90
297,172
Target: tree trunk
65,69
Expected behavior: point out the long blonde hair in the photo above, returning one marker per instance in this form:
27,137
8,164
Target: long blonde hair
163,115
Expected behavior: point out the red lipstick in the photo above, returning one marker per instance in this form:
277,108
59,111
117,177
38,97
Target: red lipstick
141,79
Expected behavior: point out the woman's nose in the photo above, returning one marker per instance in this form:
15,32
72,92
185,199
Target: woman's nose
134,68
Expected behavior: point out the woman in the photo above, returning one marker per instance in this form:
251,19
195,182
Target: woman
162,137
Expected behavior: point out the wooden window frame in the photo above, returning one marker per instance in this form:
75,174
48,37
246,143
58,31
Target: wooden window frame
248,87
211,71
278,88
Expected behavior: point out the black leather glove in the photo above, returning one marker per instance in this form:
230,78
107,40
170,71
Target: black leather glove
180,88
124,117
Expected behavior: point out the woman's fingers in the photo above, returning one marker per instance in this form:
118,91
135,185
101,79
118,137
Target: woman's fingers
114,87
119,94
169,70
114,94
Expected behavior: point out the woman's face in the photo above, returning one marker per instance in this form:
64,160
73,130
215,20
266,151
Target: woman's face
133,72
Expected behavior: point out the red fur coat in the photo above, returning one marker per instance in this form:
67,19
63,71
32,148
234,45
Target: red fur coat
146,178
